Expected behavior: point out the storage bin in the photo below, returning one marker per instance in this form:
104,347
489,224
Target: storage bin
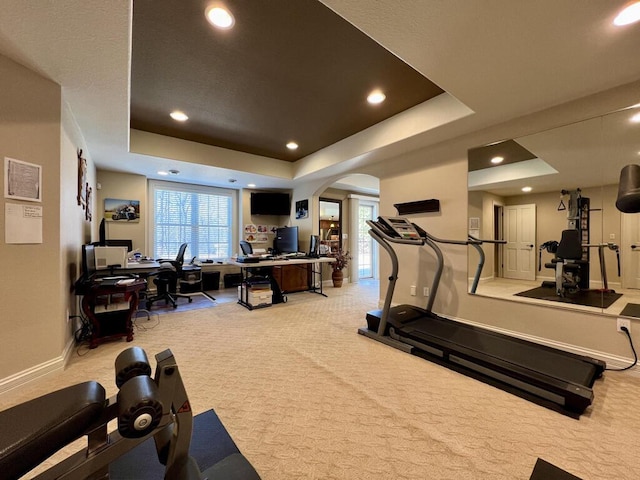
232,280
256,298
210,281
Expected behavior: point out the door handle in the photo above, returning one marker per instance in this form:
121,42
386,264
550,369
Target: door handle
530,246
633,247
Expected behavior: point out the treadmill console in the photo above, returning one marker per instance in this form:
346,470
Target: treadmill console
400,227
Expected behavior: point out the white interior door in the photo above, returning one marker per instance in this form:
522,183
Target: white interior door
519,256
630,250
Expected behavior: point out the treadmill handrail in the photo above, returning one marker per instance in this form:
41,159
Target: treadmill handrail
487,240
477,244
454,242
378,237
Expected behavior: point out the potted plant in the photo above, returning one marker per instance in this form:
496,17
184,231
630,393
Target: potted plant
342,260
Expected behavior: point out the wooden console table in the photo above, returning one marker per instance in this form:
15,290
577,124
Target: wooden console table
110,307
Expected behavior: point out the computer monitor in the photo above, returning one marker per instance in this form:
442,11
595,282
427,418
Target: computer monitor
314,243
102,233
88,261
286,240
120,243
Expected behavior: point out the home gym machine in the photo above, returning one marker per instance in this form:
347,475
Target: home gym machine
554,378
571,254
145,408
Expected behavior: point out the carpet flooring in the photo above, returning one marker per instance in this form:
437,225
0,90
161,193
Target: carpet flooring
305,397
590,298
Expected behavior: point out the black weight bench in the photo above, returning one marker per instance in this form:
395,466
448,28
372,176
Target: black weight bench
147,409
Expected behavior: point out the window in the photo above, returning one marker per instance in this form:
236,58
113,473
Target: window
200,216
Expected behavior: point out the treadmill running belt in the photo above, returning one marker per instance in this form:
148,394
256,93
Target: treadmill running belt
535,357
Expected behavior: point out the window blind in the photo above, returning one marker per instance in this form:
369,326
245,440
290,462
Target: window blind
200,216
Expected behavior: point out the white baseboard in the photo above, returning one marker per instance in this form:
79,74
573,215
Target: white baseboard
26,377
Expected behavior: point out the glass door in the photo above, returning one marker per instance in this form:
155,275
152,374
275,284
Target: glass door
366,245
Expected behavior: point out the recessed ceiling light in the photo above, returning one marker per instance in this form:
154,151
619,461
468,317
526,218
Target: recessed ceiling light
219,16
163,172
292,145
635,118
497,160
526,189
179,116
376,97
630,14
251,185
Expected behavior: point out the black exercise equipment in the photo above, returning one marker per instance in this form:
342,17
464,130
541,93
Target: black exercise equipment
554,378
628,200
568,263
144,407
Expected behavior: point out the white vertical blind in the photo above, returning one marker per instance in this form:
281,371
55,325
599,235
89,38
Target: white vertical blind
201,216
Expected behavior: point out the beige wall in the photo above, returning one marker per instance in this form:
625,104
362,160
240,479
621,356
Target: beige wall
126,187
36,284
247,218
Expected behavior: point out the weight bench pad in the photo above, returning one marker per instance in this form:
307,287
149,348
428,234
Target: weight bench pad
35,430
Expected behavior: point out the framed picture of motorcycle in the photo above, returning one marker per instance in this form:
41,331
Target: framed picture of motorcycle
117,210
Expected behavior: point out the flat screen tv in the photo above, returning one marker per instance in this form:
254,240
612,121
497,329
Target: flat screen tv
270,203
286,240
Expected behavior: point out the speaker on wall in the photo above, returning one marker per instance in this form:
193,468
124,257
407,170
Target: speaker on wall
421,206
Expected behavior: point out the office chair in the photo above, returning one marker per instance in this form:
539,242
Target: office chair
167,280
246,247
568,262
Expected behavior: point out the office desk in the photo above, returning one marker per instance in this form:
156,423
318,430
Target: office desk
314,277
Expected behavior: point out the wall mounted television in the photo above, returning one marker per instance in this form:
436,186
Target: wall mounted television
286,240
270,203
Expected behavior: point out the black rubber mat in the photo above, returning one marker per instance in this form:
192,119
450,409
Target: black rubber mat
545,471
589,298
210,444
631,310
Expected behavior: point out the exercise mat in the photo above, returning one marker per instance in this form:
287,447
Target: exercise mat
544,470
631,310
589,298
210,444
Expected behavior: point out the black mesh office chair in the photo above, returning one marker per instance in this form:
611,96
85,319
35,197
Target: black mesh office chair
568,262
167,280
246,247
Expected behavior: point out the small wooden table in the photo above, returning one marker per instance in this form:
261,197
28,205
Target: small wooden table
110,307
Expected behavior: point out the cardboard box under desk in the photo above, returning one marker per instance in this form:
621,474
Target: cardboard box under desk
255,297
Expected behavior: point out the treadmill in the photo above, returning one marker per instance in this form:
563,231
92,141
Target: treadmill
553,378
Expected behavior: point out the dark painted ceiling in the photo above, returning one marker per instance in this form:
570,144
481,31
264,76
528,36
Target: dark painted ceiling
288,70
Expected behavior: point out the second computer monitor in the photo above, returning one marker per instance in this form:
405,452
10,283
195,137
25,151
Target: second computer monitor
286,240
314,243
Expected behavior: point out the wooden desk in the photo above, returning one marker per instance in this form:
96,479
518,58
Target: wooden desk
287,275
109,308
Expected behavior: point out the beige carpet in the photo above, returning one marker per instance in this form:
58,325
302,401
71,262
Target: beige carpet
305,397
